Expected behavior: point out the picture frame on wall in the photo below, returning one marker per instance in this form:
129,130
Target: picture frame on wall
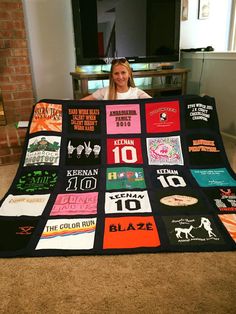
203,9
184,16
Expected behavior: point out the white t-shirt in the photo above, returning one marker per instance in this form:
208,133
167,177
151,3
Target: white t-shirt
132,93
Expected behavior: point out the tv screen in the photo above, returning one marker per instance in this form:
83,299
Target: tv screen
142,31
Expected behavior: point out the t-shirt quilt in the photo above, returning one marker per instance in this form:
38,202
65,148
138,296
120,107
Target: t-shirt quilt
122,176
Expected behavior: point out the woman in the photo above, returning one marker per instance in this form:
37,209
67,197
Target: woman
121,84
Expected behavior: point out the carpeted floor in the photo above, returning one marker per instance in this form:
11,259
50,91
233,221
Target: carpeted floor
140,283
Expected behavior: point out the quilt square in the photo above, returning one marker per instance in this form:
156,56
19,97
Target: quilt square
200,113
86,119
185,200
75,204
213,177
189,230
81,179
124,151
24,205
18,233
35,181
162,117
125,178
43,150
164,177
123,119
223,198
83,151
46,117
130,232
127,202
203,150
229,221
164,151
68,234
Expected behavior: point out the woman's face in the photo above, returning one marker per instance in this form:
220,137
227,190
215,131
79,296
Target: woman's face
120,75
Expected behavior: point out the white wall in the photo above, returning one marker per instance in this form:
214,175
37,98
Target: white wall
213,74
213,31
51,41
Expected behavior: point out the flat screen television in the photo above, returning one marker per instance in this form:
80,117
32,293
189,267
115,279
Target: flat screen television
142,31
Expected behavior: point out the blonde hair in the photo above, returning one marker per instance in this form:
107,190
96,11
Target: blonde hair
112,86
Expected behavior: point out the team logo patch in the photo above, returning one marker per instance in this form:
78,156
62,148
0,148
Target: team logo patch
127,202
178,200
162,117
130,232
125,178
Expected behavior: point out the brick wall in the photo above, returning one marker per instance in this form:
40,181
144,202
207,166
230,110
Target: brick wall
15,72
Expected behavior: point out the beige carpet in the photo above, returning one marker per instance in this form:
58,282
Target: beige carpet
140,283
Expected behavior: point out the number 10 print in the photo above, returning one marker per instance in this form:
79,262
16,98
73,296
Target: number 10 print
124,151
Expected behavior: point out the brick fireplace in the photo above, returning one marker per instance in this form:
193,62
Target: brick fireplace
16,89
15,71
